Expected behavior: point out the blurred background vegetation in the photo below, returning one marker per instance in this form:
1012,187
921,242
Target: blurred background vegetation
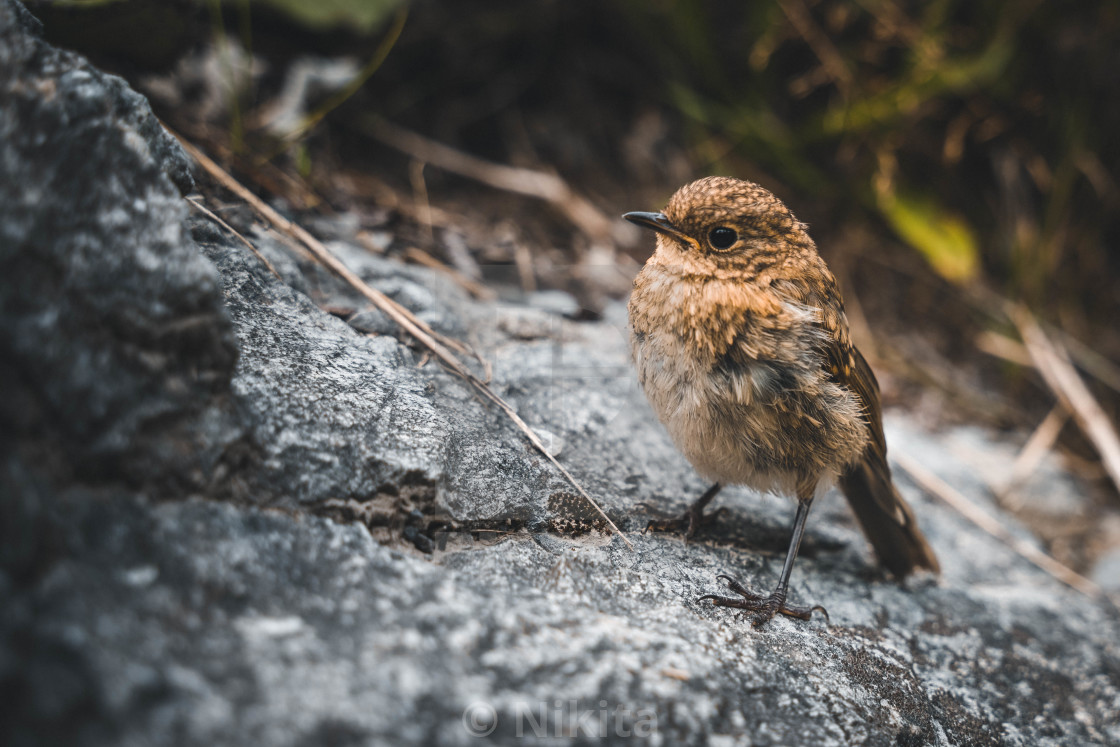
952,156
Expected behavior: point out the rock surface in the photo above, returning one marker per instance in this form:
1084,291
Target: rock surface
369,555
117,349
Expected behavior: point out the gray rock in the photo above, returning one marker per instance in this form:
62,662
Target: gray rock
116,349
454,585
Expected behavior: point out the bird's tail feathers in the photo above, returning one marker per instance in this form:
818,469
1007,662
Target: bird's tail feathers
887,520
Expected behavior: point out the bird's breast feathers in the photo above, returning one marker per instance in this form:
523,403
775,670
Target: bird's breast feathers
734,373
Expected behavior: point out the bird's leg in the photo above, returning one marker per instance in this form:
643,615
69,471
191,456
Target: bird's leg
765,607
692,517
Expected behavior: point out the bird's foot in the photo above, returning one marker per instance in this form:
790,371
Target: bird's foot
763,607
688,522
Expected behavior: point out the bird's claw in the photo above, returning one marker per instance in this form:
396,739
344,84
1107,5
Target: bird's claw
763,607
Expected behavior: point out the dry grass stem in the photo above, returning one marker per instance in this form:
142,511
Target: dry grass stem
420,197
523,260
1053,364
377,191
214,217
1002,346
1034,451
539,184
1091,362
476,289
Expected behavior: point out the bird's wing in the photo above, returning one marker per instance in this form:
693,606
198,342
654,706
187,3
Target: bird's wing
847,367
841,361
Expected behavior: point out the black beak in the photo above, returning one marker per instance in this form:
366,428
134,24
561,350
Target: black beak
658,222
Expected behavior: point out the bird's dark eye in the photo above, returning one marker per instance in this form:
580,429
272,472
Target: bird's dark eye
722,237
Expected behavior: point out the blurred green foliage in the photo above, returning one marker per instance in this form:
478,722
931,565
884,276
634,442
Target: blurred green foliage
943,238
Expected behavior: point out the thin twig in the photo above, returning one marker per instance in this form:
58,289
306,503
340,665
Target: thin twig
402,316
292,245
1037,447
214,217
542,185
1002,346
268,176
382,194
475,288
831,59
1053,364
1090,361
420,197
523,261
978,516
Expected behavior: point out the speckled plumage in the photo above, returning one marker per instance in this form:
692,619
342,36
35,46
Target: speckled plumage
744,353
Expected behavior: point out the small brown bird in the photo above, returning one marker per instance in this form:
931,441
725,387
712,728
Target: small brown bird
742,347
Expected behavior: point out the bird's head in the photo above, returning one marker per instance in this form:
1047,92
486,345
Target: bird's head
725,225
